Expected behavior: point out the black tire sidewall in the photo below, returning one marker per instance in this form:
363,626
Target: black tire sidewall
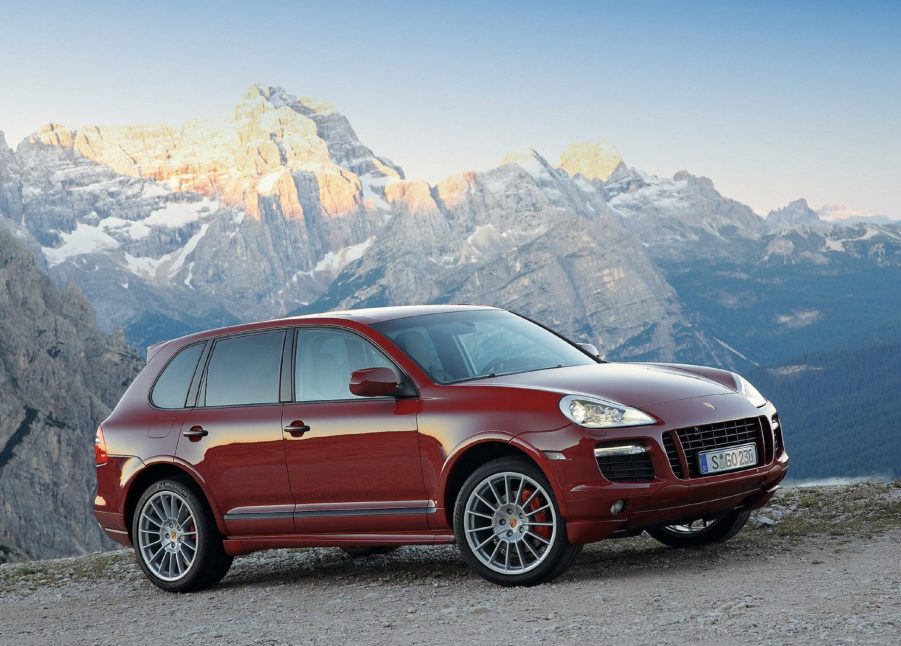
209,545
561,553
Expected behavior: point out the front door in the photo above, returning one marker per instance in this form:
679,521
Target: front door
357,467
233,438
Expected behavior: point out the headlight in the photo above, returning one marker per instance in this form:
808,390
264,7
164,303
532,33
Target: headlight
747,389
599,413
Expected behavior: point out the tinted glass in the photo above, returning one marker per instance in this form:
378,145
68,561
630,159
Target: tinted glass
457,346
325,359
245,370
171,389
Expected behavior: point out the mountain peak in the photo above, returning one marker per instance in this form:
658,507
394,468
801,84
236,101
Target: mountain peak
271,146
528,159
278,97
794,213
592,160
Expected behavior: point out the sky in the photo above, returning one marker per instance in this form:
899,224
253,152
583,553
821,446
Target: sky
772,100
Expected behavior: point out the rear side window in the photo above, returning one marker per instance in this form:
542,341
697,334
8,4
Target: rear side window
171,389
245,370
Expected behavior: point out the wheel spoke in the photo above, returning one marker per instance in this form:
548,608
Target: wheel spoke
532,513
497,497
545,541
522,562
532,550
475,513
487,504
529,499
494,551
480,545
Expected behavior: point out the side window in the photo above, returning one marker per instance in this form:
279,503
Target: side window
419,345
171,388
245,370
325,359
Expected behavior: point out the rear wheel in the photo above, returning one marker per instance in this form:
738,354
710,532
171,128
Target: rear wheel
355,552
508,525
701,532
176,541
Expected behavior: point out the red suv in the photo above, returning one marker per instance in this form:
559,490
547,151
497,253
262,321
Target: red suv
375,428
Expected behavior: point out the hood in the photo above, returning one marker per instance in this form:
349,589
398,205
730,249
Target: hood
638,385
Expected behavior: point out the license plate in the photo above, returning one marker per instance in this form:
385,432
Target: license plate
734,457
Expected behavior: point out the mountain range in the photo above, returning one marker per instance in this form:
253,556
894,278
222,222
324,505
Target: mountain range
277,208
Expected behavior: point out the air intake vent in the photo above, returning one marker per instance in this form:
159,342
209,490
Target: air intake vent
626,468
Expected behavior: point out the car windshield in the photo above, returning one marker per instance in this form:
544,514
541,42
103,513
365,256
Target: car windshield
473,344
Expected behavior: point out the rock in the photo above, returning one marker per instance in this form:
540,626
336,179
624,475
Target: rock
59,378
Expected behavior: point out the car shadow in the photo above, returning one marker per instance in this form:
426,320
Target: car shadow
607,560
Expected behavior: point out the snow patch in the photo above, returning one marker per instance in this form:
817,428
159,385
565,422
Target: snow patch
268,181
84,239
175,215
335,261
798,319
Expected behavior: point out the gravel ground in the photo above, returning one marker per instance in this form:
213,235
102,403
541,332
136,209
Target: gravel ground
816,566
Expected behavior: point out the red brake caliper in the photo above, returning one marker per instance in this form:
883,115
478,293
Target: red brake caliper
541,517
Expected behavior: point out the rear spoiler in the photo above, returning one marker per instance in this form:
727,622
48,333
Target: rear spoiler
153,349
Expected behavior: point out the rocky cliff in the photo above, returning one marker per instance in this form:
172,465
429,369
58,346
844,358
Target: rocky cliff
59,377
528,237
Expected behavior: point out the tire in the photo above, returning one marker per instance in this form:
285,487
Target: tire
508,525
686,535
170,508
356,552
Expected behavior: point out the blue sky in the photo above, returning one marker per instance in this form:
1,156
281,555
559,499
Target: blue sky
773,101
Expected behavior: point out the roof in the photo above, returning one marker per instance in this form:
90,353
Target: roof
379,314
367,316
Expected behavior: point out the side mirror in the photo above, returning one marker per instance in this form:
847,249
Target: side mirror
374,382
590,349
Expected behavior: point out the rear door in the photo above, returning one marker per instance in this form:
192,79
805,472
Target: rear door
233,437
357,467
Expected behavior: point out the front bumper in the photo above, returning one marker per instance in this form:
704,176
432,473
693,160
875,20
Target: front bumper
586,497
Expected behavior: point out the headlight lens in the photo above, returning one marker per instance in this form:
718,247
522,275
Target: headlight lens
747,389
600,413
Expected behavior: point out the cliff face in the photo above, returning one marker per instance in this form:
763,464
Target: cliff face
528,237
59,377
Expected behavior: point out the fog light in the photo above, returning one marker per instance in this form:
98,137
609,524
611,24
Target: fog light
617,507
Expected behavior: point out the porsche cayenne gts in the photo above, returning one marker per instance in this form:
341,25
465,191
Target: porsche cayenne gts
371,429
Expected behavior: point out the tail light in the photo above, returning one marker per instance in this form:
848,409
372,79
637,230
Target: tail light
100,447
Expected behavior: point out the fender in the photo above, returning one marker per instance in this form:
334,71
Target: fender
188,471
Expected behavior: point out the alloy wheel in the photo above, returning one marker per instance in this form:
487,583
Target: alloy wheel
167,535
510,523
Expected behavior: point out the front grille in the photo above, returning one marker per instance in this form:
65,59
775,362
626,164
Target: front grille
672,455
626,468
717,436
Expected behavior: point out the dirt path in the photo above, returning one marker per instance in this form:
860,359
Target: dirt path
817,566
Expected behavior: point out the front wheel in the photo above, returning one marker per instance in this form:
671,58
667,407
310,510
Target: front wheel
508,525
176,541
701,532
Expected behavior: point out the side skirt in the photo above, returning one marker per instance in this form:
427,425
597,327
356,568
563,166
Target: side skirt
236,545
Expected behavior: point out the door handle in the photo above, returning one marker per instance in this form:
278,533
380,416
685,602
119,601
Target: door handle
297,428
195,433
